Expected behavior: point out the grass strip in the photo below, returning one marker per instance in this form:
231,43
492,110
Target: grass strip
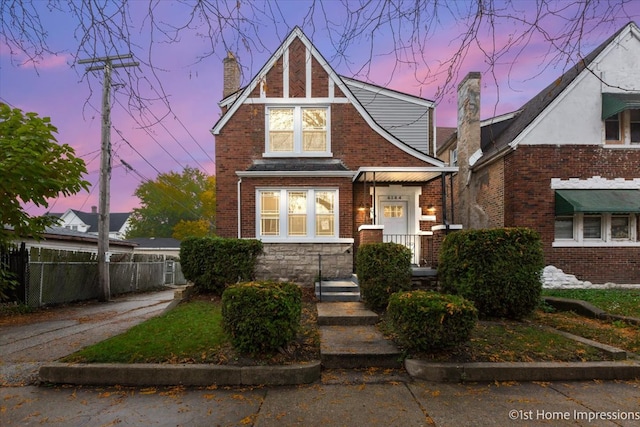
189,333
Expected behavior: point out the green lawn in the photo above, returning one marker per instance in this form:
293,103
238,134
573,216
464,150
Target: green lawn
189,333
625,302
192,333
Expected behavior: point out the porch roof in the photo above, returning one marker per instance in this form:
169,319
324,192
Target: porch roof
401,174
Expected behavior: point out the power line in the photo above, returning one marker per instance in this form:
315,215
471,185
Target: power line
144,179
149,134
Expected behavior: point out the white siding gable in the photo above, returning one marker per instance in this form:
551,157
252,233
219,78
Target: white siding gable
574,117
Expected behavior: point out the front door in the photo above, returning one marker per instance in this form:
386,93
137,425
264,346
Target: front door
394,216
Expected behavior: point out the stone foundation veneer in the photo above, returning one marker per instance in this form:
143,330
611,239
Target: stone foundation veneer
298,262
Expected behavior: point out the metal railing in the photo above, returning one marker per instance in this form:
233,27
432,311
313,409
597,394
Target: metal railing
421,246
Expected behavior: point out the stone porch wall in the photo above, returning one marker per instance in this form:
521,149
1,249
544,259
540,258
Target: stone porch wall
298,262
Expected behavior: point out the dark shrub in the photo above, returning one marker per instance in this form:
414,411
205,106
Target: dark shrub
212,263
261,316
498,269
382,269
424,320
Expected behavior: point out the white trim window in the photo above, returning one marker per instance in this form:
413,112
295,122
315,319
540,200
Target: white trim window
298,131
604,229
297,213
623,128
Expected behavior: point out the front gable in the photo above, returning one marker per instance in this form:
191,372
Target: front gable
297,75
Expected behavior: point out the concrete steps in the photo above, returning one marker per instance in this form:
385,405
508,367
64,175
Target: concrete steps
349,338
346,290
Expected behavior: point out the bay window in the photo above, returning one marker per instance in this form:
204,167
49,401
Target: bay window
306,213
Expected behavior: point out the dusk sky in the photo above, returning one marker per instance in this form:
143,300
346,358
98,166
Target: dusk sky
57,87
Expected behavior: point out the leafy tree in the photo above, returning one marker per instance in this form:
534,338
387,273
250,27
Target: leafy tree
181,200
33,168
197,228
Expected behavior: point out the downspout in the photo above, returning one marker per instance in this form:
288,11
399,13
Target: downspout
374,198
239,212
444,202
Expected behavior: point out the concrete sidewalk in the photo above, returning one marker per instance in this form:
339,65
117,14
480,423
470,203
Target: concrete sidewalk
25,348
338,403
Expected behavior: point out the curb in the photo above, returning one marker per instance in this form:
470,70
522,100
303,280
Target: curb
586,309
522,371
150,374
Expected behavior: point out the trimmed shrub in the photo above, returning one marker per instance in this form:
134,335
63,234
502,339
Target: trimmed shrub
382,269
498,269
425,320
212,263
261,316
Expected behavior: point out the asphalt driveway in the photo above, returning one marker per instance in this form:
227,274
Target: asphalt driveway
24,347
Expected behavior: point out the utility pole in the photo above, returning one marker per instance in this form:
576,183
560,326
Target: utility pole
104,282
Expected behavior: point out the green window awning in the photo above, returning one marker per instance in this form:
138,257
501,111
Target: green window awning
569,202
613,103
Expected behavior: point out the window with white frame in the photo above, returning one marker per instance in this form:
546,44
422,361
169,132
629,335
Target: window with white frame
299,131
603,228
623,128
297,213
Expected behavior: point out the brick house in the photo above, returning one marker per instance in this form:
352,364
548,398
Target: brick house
313,163
567,164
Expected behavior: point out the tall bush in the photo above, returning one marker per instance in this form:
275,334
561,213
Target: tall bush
212,263
498,269
382,269
261,316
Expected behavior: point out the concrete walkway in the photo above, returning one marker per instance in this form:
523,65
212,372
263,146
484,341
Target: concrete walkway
349,338
25,348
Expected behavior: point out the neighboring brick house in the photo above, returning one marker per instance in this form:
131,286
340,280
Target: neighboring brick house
311,162
567,164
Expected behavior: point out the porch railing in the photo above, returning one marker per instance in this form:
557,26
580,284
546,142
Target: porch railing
421,247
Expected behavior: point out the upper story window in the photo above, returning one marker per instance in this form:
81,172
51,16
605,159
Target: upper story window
623,128
298,131
453,155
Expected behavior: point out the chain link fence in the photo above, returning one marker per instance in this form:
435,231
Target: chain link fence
53,278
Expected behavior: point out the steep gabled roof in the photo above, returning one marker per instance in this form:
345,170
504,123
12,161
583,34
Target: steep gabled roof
234,101
116,220
496,143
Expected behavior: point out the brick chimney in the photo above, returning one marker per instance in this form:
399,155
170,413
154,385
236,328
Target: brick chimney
471,215
231,75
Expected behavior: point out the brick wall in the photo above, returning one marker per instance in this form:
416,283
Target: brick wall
488,185
530,202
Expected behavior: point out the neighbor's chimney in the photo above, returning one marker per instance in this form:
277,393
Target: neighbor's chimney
231,74
94,209
468,142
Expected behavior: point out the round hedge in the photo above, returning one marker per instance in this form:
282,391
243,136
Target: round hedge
261,316
425,320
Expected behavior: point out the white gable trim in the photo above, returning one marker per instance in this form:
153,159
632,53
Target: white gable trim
313,52
630,28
